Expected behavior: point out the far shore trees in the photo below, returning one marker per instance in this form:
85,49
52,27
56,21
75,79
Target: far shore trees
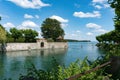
51,29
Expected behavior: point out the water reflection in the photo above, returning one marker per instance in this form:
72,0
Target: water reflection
14,63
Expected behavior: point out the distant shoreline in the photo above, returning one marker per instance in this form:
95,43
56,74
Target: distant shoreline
70,40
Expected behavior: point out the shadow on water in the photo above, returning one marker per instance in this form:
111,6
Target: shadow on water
14,63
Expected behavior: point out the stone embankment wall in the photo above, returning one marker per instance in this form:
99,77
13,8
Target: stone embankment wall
32,46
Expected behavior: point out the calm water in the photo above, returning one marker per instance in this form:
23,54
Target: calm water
14,63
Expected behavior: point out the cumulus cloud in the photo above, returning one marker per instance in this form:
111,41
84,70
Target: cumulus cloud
27,16
87,15
96,28
34,4
28,24
89,34
102,4
93,26
101,31
106,5
99,1
98,6
8,25
59,18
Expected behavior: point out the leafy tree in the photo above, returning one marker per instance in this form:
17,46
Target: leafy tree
15,33
51,28
2,34
29,35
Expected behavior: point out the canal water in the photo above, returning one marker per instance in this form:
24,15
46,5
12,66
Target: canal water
12,64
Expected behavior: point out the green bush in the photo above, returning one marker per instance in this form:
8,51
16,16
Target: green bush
61,73
10,40
20,40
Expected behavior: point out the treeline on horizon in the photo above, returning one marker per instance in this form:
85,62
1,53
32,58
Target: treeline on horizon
72,40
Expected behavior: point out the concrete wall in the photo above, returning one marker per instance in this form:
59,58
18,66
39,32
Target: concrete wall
31,46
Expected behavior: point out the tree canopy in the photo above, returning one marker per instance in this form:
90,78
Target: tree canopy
51,28
2,34
15,33
22,35
114,35
29,35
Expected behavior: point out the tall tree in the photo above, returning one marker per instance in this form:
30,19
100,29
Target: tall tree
15,33
2,35
30,35
115,4
51,28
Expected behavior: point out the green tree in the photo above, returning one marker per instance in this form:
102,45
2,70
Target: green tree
51,28
2,35
30,35
15,33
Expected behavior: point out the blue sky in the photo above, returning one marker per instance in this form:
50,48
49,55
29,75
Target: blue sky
80,19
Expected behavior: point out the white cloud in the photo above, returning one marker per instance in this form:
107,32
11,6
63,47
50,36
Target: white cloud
106,5
101,31
102,4
99,1
93,26
59,18
8,25
63,25
89,34
87,15
34,4
96,29
36,16
98,6
28,24
27,16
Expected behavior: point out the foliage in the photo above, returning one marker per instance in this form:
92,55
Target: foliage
61,73
51,28
15,33
29,35
2,34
